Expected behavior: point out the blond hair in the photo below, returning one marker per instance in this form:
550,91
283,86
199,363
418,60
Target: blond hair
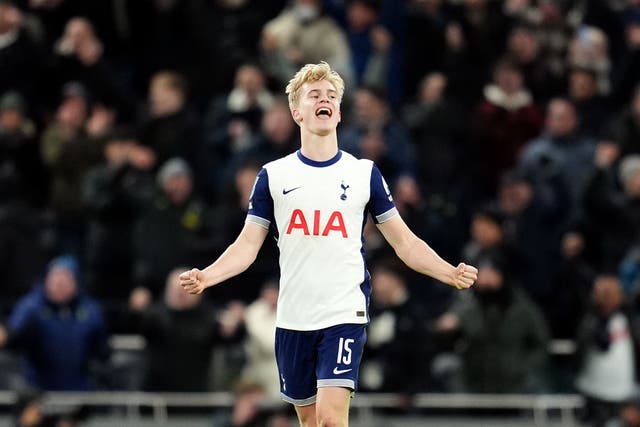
311,73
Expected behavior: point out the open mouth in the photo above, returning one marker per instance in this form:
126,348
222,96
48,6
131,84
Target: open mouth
323,111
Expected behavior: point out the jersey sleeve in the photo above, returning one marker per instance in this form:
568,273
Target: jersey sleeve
380,204
261,203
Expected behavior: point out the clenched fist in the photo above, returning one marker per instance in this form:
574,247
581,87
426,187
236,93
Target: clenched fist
464,276
192,281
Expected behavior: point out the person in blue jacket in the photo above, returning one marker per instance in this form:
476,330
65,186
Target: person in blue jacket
58,329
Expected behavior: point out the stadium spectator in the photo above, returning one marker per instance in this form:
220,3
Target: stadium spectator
23,190
374,133
20,61
533,221
436,123
232,121
115,193
617,212
228,29
592,108
177,220
369,41
624,129
550,20
79,56
396,332
608,352
524,47
260,323
277,137
589,48
303,34
475,37
560,161
171,127
571,287
423,218
487,236
630,274
70,146
59,329
228,220
425,42
625,74
504,122
24,250
50,17
22,177
502,334
181,332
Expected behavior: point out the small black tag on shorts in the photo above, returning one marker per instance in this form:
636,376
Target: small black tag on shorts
360,313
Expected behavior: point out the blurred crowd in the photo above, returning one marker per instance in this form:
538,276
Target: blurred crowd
131,133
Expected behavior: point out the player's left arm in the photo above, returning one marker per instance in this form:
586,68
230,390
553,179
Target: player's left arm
419,256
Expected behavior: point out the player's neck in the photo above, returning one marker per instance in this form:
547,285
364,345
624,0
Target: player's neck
319,148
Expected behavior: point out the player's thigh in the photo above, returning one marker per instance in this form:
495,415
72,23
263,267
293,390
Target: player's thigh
332,406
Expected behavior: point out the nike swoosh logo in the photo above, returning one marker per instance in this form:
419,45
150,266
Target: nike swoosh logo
290,190
337,371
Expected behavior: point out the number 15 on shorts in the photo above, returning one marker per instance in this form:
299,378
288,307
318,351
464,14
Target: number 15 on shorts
344,351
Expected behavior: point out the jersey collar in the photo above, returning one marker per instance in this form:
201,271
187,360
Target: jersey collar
308,161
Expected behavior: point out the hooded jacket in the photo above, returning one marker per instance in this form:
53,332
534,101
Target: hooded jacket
58,340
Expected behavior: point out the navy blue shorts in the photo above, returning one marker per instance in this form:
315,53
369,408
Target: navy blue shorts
328,357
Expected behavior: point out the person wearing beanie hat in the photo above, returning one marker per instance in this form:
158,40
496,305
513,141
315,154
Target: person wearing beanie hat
22,175
58,330
62,280
12,101
174,167
179,222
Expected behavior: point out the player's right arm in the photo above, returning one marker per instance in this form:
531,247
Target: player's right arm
233,261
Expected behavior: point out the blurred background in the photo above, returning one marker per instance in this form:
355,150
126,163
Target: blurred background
131,132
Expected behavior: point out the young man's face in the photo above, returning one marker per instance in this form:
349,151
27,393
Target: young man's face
318,109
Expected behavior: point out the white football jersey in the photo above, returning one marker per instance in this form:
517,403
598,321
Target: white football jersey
317,212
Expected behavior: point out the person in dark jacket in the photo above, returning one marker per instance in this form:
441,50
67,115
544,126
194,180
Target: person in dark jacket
79,55
20,57
616,211
180,333
171,127
178,222
373,132
502,333
624,129
115,193
395,334
22,178
59,330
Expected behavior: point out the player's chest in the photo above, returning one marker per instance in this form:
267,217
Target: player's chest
335,191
